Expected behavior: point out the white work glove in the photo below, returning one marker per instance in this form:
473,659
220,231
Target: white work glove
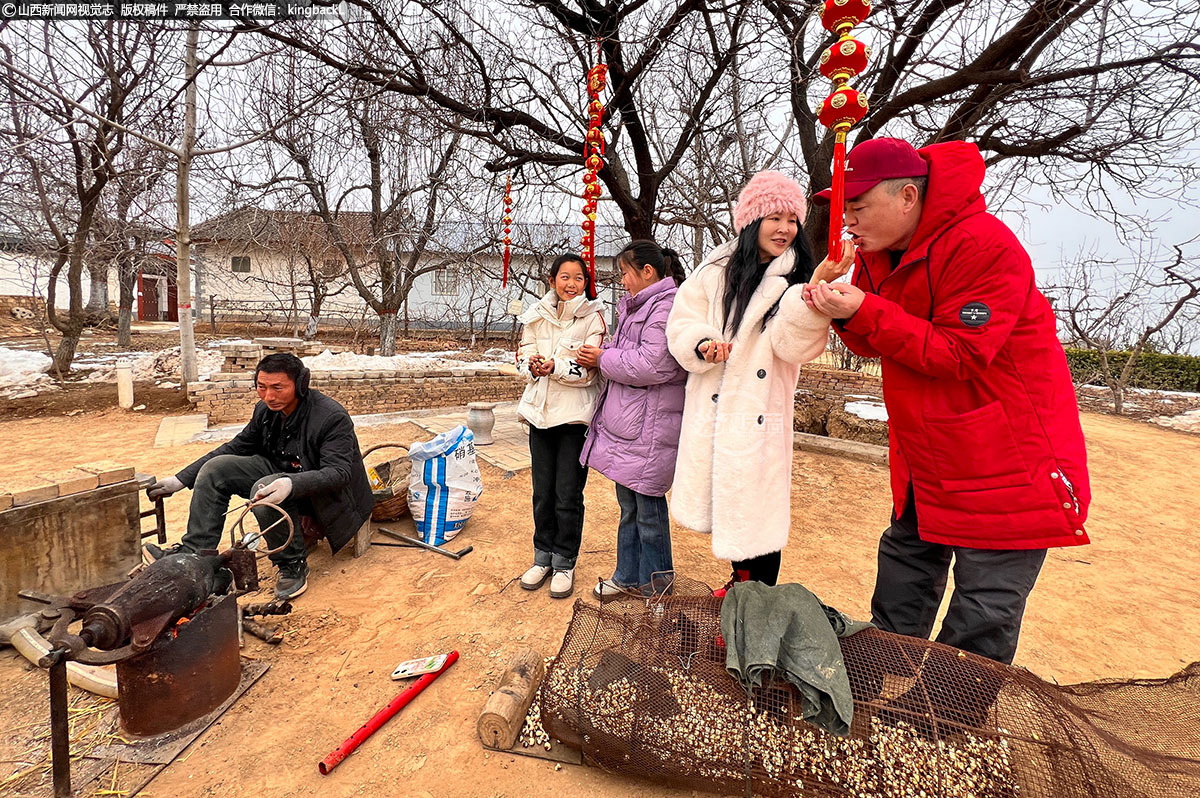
164,488
275,492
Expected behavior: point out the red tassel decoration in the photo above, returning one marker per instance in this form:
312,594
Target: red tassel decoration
507,229
593,162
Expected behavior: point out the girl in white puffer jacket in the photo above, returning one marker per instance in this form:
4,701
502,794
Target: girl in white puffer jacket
558,404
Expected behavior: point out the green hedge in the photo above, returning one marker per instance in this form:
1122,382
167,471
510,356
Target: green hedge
1152,370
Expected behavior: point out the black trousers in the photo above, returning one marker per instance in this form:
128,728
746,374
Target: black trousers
229,475
763,568
990,589
558,482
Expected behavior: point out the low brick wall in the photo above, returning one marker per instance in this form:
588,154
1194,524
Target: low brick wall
230,398
10,301
820,399
829,383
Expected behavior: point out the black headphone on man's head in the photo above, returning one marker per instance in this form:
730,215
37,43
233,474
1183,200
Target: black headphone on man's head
302,380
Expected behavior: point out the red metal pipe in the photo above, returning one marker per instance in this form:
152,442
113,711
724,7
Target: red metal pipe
371,726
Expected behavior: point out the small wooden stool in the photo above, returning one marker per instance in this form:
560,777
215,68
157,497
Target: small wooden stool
362,538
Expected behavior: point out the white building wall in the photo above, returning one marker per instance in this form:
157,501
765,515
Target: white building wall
26,274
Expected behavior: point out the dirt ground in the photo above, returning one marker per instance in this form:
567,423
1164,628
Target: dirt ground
93,397
1121,607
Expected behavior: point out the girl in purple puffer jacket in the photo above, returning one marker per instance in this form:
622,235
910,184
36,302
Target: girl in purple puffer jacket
635,428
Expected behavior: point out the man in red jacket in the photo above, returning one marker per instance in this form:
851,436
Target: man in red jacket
986,452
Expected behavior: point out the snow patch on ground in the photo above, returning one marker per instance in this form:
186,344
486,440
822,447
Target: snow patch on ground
1187,422
163,364
869,411
414,361
1152,392
22,368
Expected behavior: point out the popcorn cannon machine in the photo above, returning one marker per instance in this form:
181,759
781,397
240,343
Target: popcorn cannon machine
171,630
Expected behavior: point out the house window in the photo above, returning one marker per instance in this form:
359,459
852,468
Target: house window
240,263
445,282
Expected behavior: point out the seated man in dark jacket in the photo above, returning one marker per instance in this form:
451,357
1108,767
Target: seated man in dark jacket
299,452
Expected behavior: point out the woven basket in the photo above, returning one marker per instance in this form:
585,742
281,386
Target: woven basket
394,475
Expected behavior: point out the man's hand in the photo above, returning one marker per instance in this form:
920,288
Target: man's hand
828,270
839,301
715,351
275,492
164,488
543,368
588,356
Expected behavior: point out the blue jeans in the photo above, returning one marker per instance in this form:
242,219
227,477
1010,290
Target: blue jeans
643,539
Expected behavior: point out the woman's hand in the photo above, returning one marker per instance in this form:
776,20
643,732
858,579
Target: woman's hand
828,270
588,356
715,351
537,366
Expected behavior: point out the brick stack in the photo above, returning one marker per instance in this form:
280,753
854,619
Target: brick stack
240,358
22,491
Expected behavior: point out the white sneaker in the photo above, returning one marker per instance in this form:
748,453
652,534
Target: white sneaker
535,577
563,584
608,590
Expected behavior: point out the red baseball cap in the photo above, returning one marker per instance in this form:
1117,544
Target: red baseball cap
874,161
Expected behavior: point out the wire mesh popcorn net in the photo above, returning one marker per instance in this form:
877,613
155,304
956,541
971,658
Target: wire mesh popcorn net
641,687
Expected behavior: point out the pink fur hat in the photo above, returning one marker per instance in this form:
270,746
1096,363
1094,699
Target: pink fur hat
767,193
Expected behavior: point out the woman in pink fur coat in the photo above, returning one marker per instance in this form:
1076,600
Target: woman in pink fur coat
741,328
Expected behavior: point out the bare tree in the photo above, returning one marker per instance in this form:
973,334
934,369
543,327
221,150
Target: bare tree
385,176
515,80
70,158
125,221
1070,95
1118,312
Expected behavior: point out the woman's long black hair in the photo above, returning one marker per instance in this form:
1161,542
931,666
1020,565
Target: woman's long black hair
745,271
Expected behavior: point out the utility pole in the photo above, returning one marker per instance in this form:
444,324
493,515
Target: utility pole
183,236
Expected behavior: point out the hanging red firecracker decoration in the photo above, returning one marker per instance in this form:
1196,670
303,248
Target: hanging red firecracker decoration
507,229
844,107
593,161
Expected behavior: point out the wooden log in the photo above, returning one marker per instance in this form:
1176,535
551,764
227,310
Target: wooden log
504,713
264,632
5,498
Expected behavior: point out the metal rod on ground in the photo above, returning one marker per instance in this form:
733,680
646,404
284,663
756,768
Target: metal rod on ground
60,733
454,555
371,726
